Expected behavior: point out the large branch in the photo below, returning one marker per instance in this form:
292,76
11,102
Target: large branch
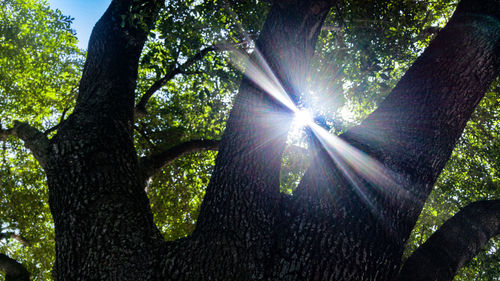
175,69
110,73
411,135
375,178
154,162
14,271
245,181
34,140
454,244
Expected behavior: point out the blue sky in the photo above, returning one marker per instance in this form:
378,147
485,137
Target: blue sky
85,14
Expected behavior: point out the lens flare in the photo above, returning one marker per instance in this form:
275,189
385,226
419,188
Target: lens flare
303,118
356,165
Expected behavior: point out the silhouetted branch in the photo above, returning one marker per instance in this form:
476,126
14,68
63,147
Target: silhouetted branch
454,244
151,164
140,108
61,120
144,136
33,139
14,271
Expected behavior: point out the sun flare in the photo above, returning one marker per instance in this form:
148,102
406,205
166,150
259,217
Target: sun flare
354,163
303,118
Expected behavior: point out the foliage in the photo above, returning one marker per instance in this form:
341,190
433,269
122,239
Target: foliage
39,71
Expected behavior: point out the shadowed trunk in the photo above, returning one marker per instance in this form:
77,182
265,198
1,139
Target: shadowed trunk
343,223
103,223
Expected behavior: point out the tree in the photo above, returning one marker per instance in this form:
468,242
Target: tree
352,212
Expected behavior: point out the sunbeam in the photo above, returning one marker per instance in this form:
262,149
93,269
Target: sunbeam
303,118
356,165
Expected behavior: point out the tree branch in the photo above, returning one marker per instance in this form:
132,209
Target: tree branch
413,131
14,271
34,140
12,235
140,108
110,74
154,162
247,169
376,177
61,120
454,244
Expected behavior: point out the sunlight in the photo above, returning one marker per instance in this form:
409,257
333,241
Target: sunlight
356,165
303,118
346,114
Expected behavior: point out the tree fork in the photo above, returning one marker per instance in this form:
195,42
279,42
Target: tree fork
103,222
353,220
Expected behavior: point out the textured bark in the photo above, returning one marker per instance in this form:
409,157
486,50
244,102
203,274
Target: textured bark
354,210
337,226
103,222
13,270
454,244
240,206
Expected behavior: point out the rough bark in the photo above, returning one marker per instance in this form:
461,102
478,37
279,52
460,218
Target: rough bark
239,209
356,205
454,244
14,271
336,227
103,223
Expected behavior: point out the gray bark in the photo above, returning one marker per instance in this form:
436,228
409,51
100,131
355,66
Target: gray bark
336,227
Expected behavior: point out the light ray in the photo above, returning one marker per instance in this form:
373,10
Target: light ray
356,165
303,118
258,71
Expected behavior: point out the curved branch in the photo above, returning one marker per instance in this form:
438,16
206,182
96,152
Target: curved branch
17,237
140,108
152,163
454,244
34,140
14,271
58,125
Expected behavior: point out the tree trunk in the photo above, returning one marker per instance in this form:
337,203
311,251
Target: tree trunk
103,223
340,225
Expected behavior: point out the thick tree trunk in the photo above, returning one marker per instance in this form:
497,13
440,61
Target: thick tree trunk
341,224
103,222
235,228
